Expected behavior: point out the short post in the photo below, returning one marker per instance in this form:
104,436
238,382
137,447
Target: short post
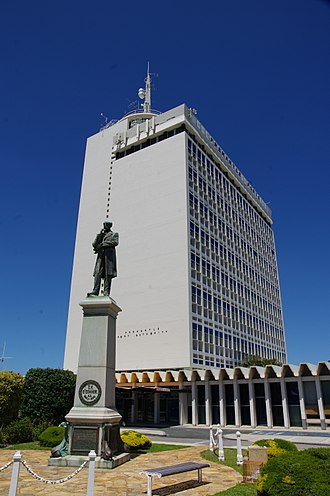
221,453
91,473
15,473
239,449
149,485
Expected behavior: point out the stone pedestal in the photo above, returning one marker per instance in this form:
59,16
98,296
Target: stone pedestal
258,454
94,420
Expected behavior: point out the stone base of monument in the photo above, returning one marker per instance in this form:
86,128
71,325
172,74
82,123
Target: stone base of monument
99,429
78,460
94,423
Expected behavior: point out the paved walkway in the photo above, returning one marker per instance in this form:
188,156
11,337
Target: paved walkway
320,438
122,481
193,435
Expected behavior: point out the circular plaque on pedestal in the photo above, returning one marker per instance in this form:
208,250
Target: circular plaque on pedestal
90,392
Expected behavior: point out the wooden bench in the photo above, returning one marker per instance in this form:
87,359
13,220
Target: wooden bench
171,470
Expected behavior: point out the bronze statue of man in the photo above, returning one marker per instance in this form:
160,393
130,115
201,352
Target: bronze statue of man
106,266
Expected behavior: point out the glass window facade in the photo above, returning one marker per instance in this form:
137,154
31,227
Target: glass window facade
235,295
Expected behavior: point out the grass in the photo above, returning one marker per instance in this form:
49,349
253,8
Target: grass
230,458
239,490
156,448
231,461
33,445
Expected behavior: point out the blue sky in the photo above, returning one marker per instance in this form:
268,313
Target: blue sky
257,71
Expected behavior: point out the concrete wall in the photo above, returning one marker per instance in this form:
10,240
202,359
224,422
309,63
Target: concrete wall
92,210
149,208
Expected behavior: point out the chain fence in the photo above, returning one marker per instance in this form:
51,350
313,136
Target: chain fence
52,481
6,466
17,461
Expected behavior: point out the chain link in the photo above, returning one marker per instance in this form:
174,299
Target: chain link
50,481
6,466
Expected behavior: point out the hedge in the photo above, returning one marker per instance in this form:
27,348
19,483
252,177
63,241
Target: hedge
11,384
18,431
47,395
52,436
298,473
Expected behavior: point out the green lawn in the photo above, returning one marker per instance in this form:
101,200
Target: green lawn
155,448
33,445
231,461
239,490
230,458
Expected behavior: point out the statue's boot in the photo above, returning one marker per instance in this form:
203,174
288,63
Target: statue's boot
97,284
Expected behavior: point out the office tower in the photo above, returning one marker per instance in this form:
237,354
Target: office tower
197,272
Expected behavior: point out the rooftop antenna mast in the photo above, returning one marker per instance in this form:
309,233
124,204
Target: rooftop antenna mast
145,94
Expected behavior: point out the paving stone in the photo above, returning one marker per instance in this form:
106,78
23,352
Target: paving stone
124,480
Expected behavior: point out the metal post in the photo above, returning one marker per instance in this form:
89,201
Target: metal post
239,449
200,478
221,453
15,473
91,473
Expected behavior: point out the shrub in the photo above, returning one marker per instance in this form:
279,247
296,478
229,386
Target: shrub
135,440
322,453
19,431
276,447
52,436
2,438
40,428
11,384
294,474
47,395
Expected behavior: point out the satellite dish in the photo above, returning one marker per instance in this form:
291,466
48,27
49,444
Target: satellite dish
141,93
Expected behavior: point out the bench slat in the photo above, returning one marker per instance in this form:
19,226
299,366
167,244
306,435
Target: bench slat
174,469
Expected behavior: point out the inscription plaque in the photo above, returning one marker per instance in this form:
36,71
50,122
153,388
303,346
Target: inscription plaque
84,440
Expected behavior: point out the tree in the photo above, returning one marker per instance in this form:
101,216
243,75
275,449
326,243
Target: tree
11,384
255,360
47,395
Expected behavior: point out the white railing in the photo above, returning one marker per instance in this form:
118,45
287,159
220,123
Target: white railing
239,449
17,460
217,441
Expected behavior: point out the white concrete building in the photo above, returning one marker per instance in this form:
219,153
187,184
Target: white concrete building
287,396
197,272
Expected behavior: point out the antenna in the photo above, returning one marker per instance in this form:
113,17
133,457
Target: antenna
145,94
3,357
105,118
